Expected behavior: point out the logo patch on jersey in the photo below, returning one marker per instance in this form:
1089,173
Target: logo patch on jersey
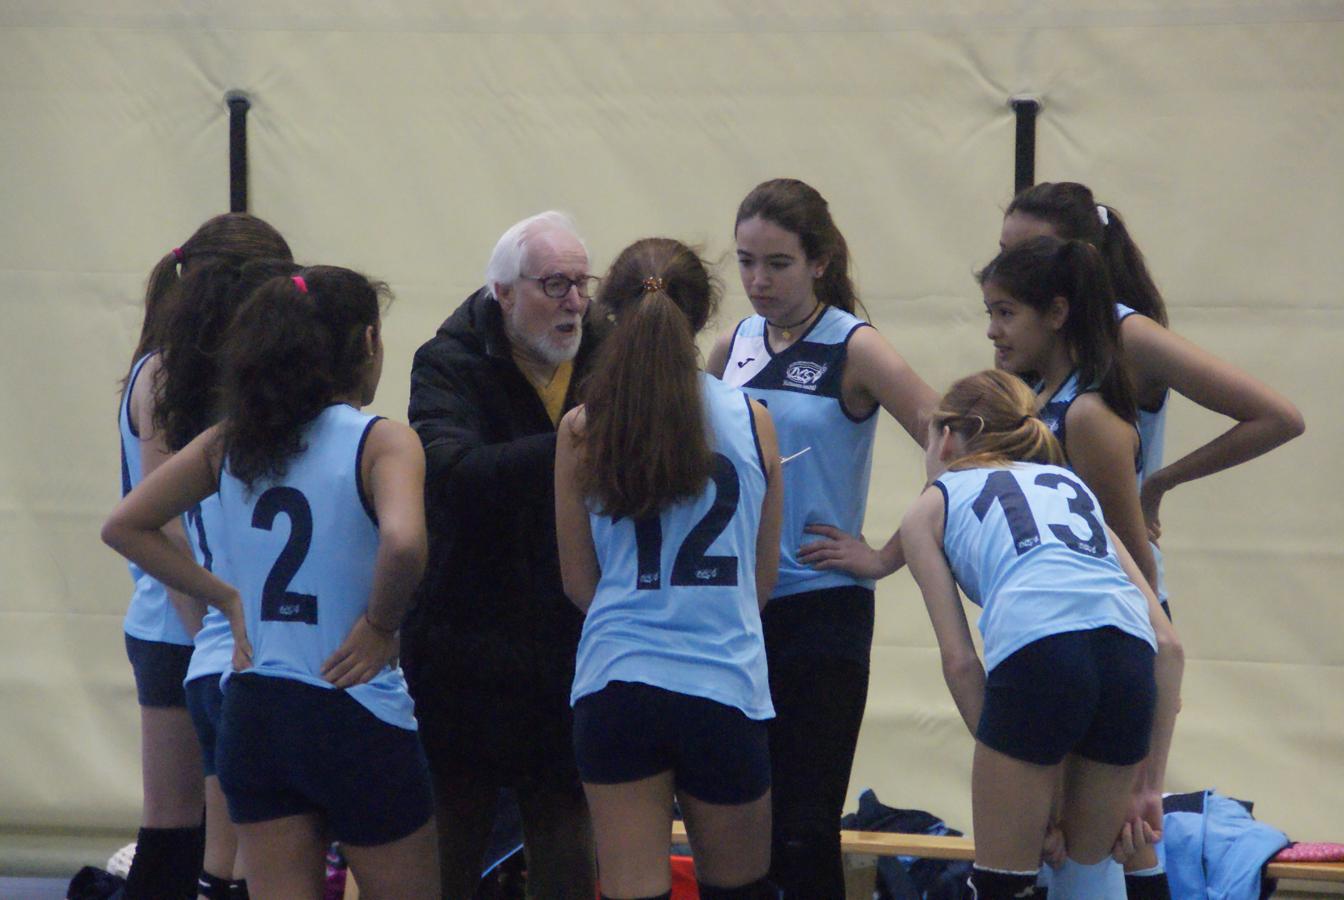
804,374
740,362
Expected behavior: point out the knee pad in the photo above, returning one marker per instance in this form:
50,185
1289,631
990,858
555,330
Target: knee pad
1100,881
238,890
760,889
1148,884
995,884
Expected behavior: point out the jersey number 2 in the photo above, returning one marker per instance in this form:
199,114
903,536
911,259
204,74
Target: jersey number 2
1003,487
278,602
692,567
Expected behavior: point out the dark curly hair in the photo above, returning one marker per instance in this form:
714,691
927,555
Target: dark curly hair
289,354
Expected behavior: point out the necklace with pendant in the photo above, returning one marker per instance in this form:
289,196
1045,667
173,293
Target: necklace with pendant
786,331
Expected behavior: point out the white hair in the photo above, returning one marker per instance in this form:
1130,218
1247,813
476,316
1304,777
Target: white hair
506,262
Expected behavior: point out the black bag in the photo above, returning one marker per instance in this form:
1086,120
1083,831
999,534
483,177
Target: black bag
908,877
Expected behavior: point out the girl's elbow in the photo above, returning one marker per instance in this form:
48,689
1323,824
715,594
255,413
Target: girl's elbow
1170,648
1291,422
113,534
960,666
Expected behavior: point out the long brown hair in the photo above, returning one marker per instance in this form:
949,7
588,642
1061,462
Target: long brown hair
645,444
187,395
1037,271
1071,210
994,412
798,207
231,236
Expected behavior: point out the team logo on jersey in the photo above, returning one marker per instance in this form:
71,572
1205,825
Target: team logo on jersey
804,375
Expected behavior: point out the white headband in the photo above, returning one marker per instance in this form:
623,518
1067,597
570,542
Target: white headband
1104,215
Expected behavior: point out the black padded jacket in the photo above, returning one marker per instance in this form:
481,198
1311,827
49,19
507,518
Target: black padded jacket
491,630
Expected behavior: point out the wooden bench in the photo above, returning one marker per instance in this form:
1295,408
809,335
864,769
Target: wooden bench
925,846
883,843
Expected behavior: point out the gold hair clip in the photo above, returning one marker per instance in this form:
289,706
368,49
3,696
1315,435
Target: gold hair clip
653,284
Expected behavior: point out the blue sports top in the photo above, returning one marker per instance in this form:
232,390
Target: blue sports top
676,605
302,551
1053,414
1152,422
213,654
827,480
1028,544
150,616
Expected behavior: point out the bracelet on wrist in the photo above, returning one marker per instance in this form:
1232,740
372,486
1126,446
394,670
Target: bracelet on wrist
388,632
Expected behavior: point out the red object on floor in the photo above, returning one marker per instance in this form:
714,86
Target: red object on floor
1311,851
684,886
683,879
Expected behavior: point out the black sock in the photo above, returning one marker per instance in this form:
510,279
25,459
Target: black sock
989,884
212,886
166,864
761,889
1147,887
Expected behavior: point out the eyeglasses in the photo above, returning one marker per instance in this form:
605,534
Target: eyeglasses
556,286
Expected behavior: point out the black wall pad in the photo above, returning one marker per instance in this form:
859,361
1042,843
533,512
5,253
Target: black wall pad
239,104
1024,167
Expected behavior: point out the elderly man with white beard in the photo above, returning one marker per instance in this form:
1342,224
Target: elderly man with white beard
489,648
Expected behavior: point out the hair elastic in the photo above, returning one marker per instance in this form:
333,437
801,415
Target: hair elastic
653,284
1022,421
179,255
300,283
1104,214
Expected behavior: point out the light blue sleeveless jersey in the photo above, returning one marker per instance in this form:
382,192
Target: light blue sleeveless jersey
827,483
213,654
1053,413
676,603
150,616
1152,422
302,553
1028,544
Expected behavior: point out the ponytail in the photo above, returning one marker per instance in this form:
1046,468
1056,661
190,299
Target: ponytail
296,345
1129,272
1074,214
645,439
994,412
1092,329
160,293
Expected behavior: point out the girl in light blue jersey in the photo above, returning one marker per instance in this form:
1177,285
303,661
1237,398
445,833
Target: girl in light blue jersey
1159,359
322,522
667,488
824,374
168,398
1052,319
1070,687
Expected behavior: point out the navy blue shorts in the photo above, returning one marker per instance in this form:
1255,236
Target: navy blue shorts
1086,692
205,701
159,668
629,731
287,748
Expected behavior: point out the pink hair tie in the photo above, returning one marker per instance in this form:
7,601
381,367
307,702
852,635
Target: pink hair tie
300,284
179,255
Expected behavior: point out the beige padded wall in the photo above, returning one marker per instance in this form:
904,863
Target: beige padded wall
403,138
